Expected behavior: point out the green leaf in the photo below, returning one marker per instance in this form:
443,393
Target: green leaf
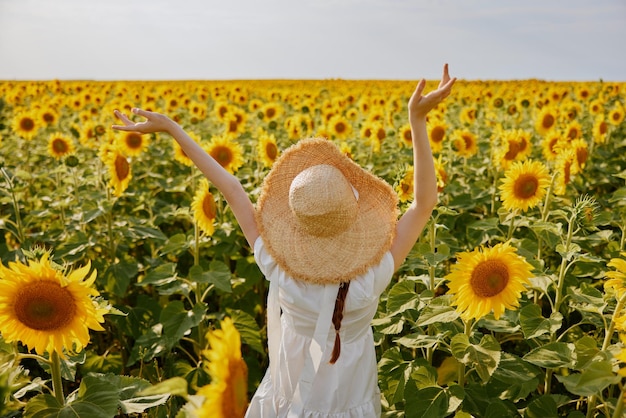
514,379
397,373
95,398
534,325
176,244
132,401
438,310
178,321
484,357
543,407
593,379
420,340
218,274
176,386
118,277
428,402
552,355
402,296
160,275
248,329
569,252
587,351
389,325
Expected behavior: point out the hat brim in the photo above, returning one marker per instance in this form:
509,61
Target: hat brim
334,259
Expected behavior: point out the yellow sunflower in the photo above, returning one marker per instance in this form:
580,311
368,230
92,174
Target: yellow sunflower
267,149
340,127
524,185
436,134
60,145
616,115
132,143
546,120
204,209
565,168
119,170
550,145
488,279
227,394
404,188
617,278
464,143
600,130
47,310
227,152
405,136
48,115
442,175
25,124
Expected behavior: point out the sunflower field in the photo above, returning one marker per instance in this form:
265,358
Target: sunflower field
128,289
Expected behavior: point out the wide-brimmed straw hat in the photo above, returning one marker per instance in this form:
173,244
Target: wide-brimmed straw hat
322,217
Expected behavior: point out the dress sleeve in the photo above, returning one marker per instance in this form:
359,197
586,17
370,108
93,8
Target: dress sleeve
264,260
383,273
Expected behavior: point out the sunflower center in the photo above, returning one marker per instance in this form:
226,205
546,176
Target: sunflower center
548,121
514,148
27,124
44,306
122,169
340,127
381,134
489,278
133,140
271,151
59,146
235,398
270,112
48,117
223,155
436,135
208,206
526,186
407,136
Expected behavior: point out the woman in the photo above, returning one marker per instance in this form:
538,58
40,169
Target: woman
325,234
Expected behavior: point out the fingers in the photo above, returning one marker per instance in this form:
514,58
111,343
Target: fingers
420,88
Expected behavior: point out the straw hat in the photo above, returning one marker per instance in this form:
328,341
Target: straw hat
322,217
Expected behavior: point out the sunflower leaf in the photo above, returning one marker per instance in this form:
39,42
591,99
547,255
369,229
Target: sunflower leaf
534,325
593,379
552,355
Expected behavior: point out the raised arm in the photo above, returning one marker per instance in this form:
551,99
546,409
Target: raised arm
412,222
226,183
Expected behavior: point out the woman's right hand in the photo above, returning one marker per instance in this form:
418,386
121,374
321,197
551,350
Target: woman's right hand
155,122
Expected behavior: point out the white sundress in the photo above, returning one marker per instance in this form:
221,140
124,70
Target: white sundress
300,382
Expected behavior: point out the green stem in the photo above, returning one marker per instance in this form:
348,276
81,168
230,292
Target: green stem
57,382
561,279
544,215
511,226
16,207
619,408
468,331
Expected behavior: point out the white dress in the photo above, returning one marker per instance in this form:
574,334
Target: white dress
307,385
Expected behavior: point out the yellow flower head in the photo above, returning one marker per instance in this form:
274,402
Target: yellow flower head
25,124
404,188
267,149
119,169
227,152
60,145
132,143
47,310
617,278
488,279
524,185
226,396
204,209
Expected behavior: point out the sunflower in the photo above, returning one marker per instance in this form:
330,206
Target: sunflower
488,279
550,145
47,310
442,175
581,150
226,396
404,188
340,127
226,152
468,115
600,130
616,116
48,115
60,145
546,120
267,149
119,170
204,209
565,168
436,134
464,143
25,124
617,278
573,131
271,111
235,122
132,143
405,136
596,107
524,185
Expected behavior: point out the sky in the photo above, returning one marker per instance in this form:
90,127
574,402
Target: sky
558,40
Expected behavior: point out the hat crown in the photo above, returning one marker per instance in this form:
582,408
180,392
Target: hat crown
323,201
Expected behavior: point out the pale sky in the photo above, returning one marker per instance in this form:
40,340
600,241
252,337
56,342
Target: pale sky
569,40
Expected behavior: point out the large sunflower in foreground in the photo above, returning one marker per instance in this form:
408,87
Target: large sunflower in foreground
204,209
47,310
617,278
226,396
227,152
524,185
488,279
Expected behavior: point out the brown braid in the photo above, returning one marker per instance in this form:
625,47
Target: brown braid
337,317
